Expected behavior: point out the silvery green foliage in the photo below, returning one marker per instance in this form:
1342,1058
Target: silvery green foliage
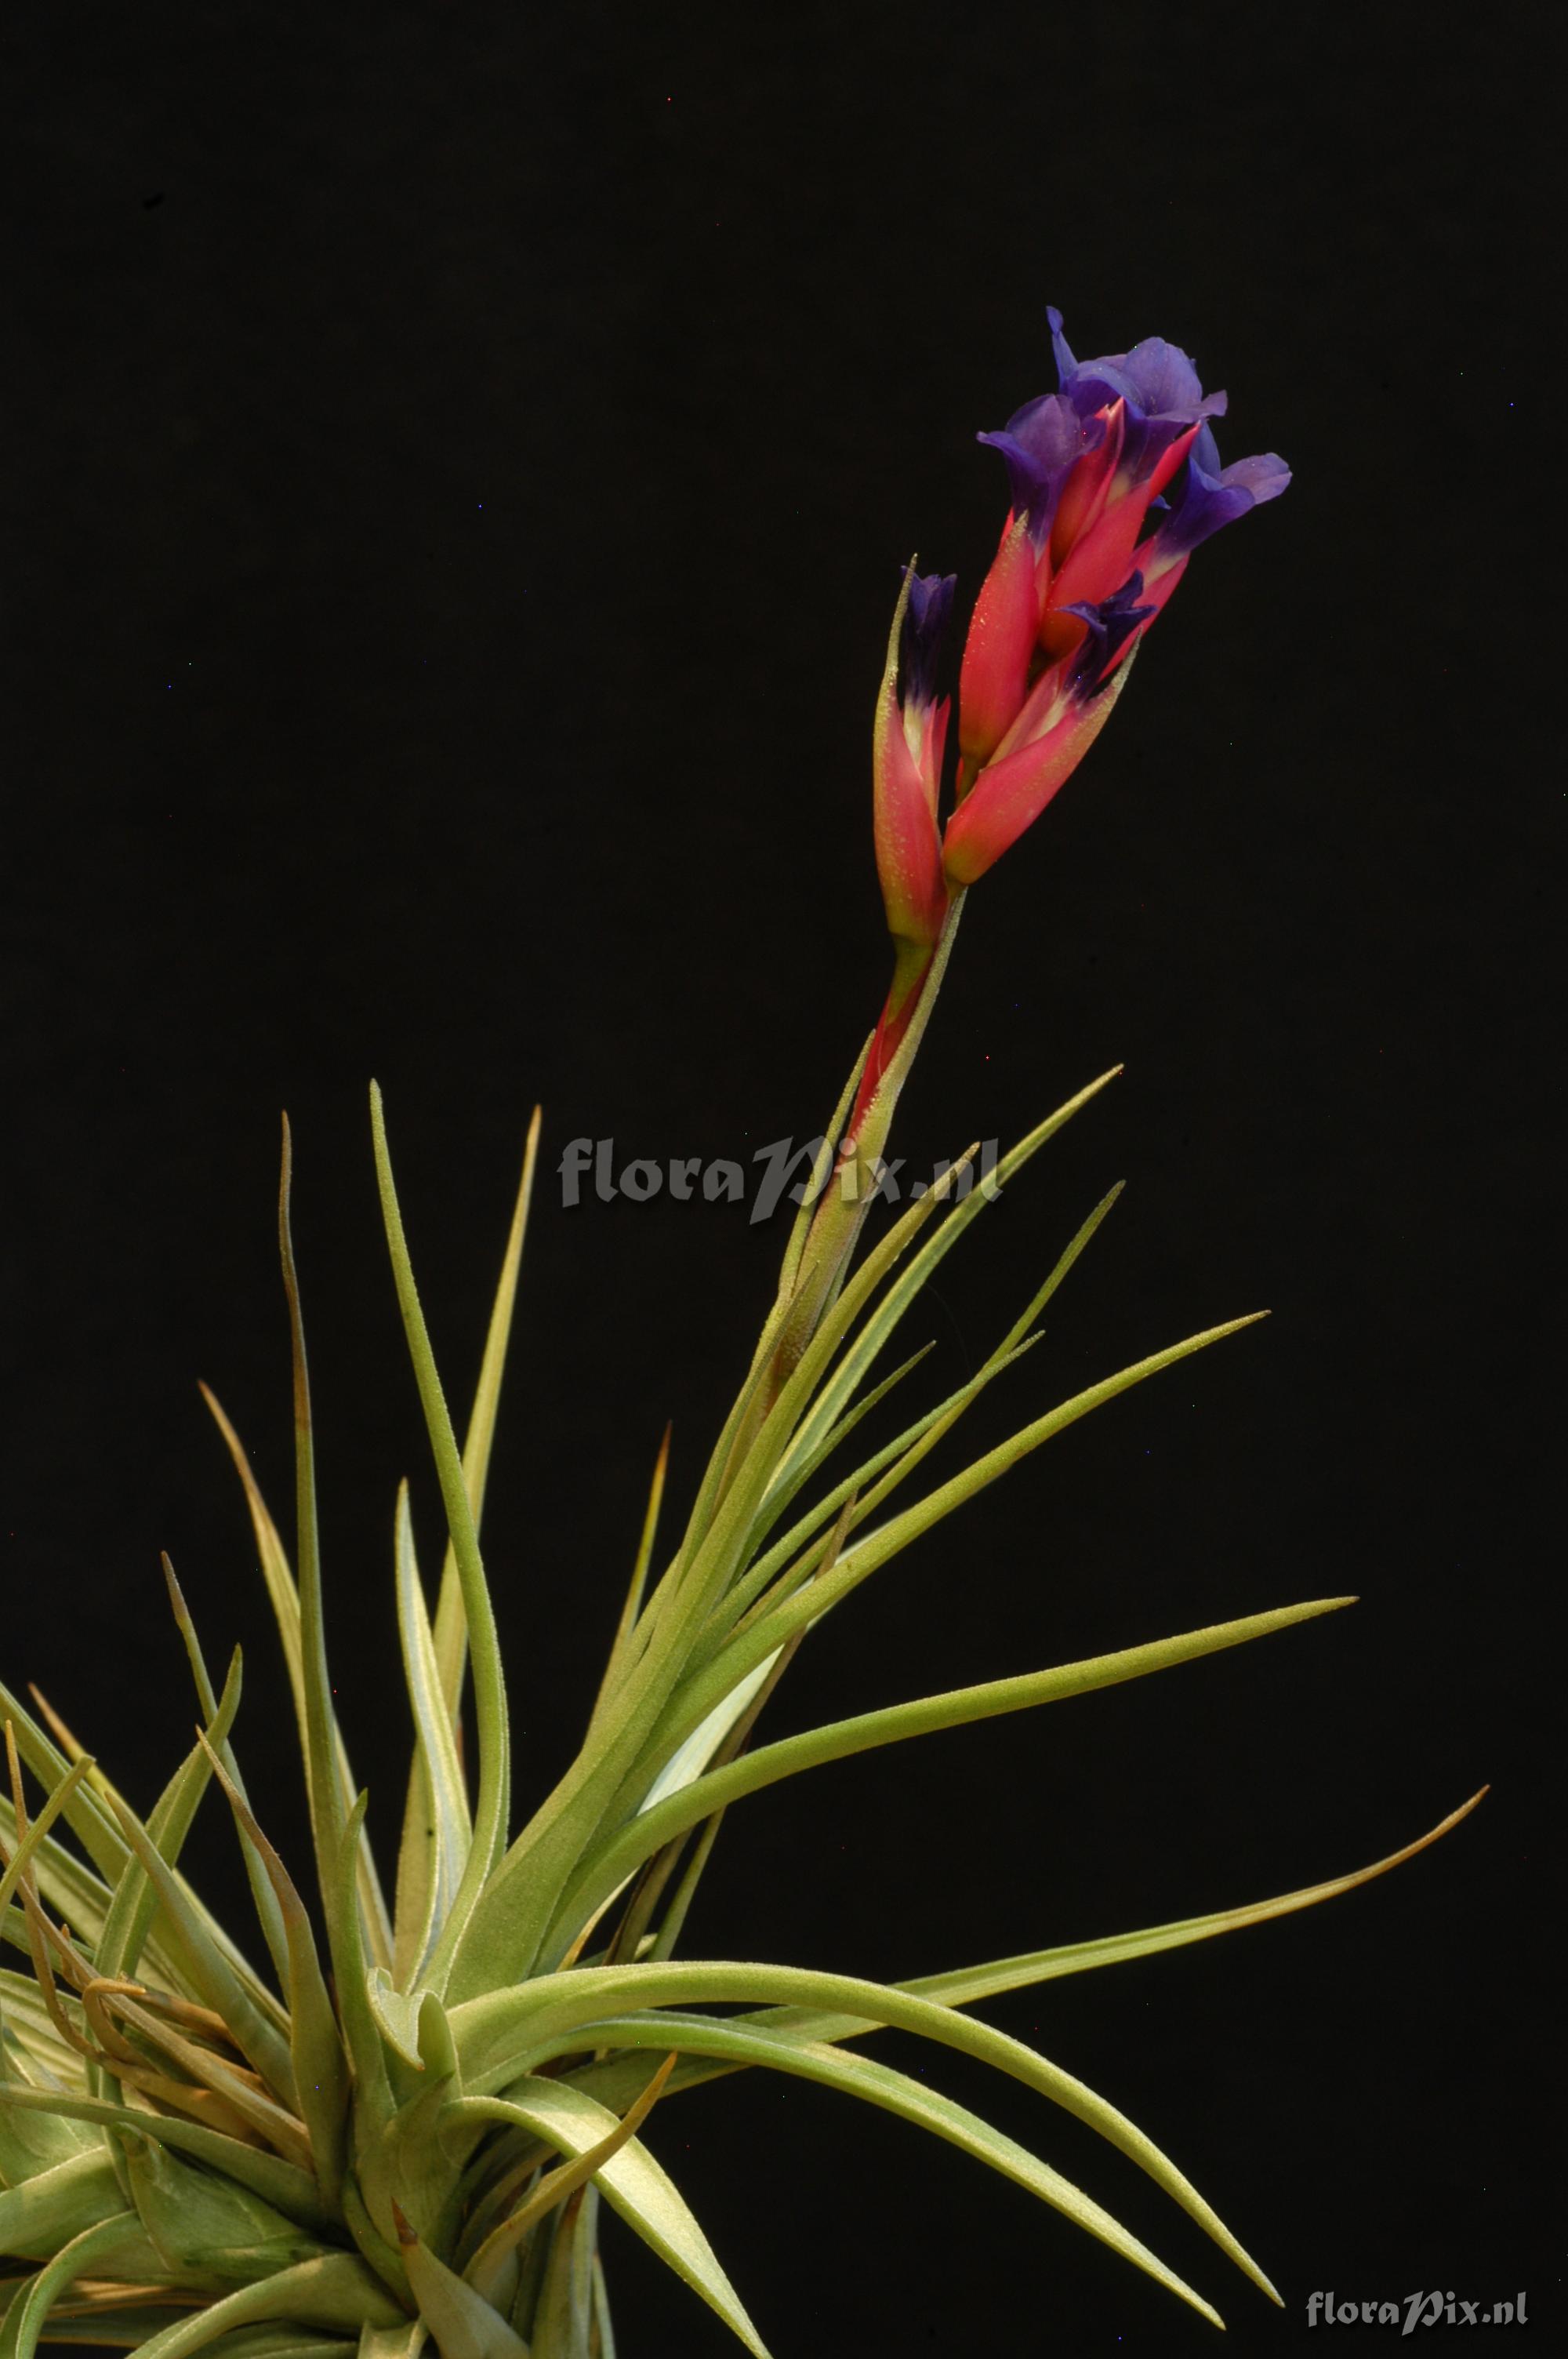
402,2144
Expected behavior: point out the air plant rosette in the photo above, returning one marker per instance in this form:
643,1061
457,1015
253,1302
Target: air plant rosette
382,2129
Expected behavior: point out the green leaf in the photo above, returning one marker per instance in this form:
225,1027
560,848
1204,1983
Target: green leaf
32,2142
72,1890
292,2190
296,2342
800,1466
903,1291
462,2322
821,1170
869,1554
602,2325
625,1642
436,1838
701,1705
452,1623
485,2271
1011,1346
539,2023
836,1220
490,1691
320,2075
373,2102
502,1941
617,2083
88,1816
631,2181
27,2318
216,1982
261,1893
451,1631
326,1789
896,2092
285,1600
20,1854
562,2325
624,1854
45,2212
338,2290
201,2219
28,2032
789,1279
709,1557
962,1985
405,2341
131,1913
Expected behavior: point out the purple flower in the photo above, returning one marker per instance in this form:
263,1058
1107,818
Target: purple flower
1212,495
1158,384
920,642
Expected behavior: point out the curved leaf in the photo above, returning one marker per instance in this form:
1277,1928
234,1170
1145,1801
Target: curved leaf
519,2030
630,2180
718,1787
489,1689
437,1837
896,2092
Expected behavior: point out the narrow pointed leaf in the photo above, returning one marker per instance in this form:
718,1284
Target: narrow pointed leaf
27,2323
136,1901
89,1817
261,1893
321,2074
991,1698
622,1646
962,1985
555,2023
437,1839
630,2180
482,2272
337,2292
45,2212
326,1787
285,1600
452,1623
462,2322
217,1984
20,1854
912,2101
869,1553
373,2098
490,1692
293,2191
904,1287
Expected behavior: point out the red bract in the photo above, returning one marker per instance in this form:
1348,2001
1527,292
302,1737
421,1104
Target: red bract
907,746
1089,556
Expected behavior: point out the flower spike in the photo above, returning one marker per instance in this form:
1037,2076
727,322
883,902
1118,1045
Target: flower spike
1079,576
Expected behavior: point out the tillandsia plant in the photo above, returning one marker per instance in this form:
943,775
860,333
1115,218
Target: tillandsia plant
391,2128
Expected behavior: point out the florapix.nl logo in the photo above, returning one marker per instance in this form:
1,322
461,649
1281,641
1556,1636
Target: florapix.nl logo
782,1171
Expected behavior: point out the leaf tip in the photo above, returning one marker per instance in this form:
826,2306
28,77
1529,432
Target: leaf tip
177,1606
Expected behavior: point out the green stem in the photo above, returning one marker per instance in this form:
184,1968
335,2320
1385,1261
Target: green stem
824,1260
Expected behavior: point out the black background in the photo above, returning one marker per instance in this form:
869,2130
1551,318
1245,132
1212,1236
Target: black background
462,462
